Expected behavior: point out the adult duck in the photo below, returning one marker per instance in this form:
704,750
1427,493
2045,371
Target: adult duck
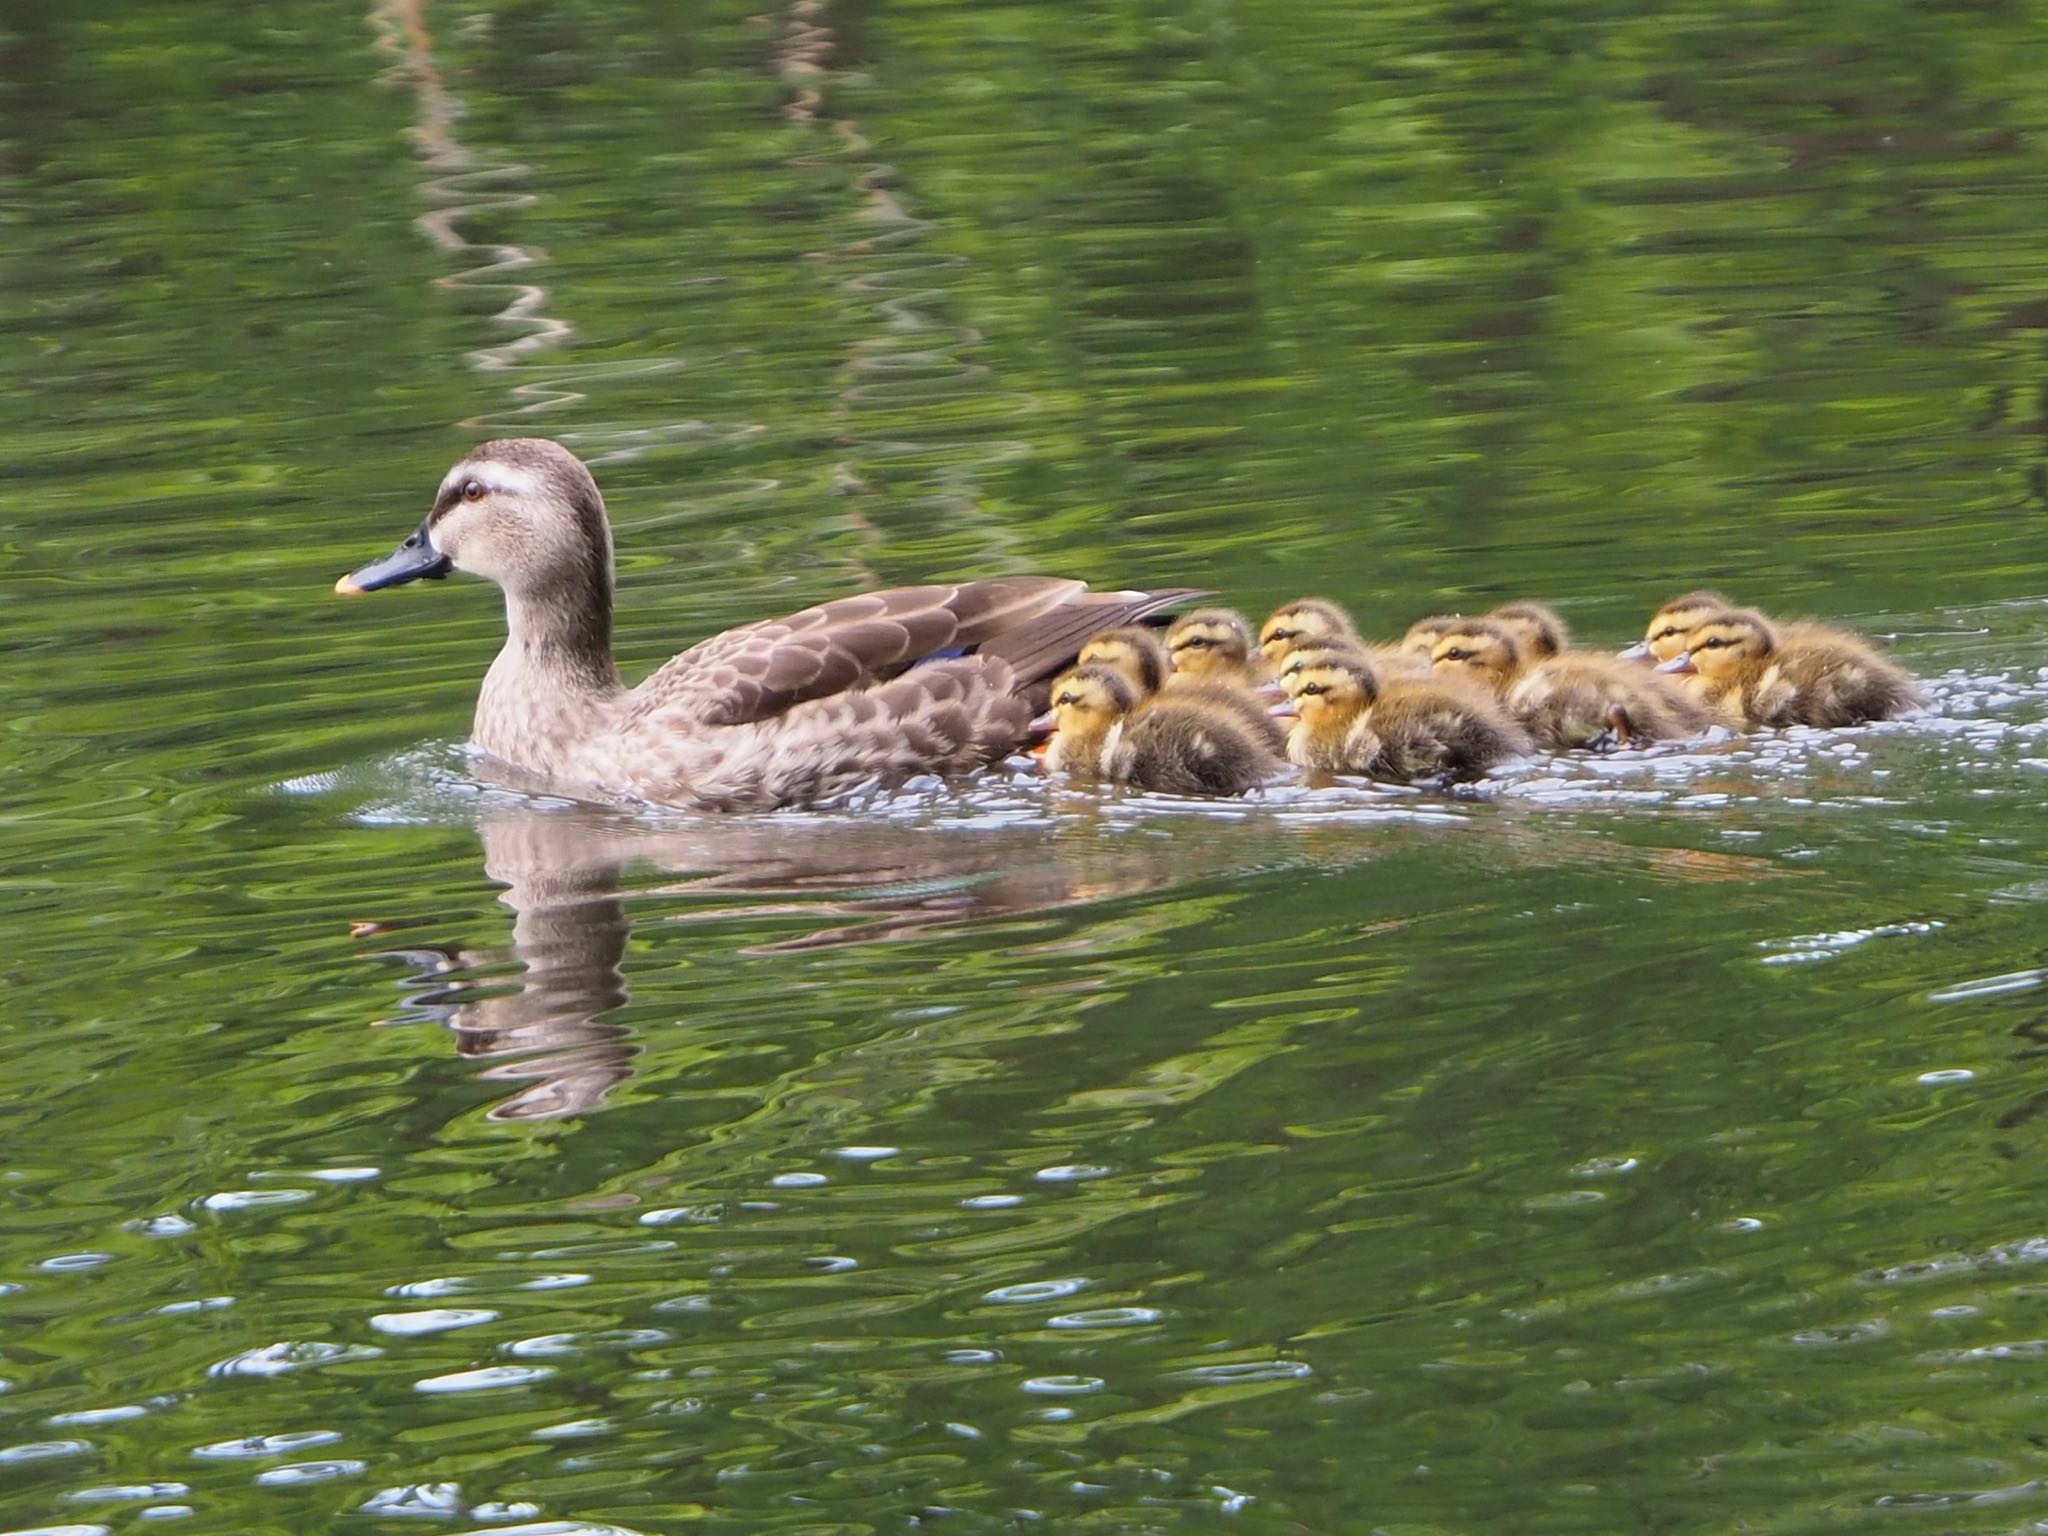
866,690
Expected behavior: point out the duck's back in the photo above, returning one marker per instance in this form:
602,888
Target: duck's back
1181,748
1831,677
1578,698
872,689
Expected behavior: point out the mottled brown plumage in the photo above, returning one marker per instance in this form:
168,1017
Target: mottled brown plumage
1573,699
1402,729
1754,673
1215,643
866,690
1536,628
1196,739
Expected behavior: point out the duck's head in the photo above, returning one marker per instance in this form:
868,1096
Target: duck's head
1329,688
1423,635
1536,627
1087,701
1665,636
1210,642
1134,651
1479,649
1722,644
522,512
1304,624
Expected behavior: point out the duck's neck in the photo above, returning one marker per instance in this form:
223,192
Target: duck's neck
554,685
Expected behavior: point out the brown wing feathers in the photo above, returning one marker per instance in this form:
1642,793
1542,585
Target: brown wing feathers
1035,625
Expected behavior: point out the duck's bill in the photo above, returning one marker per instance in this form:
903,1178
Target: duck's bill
1640,651
414,560
1679,665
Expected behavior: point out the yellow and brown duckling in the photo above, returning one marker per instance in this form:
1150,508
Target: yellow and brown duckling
1423,634
1132,650
1664,636
1138,654
1192,741
1307,623
1215,643
1573,698
1353,721
1537,628
1754,673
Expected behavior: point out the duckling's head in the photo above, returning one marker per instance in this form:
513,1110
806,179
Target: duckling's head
1665,636
1722,644
1329,688
1536,627
1479,649
1134,651
522,512
1423,635
1210,642
1303,624
1087,701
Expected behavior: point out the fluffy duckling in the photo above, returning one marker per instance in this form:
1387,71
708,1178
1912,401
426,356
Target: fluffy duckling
1585,699
1537,628
1192,741
1404,729
1571,699
1753,673
1137,653
1423,635
1315,623
1665,635
1215,643
1132,650
1307,623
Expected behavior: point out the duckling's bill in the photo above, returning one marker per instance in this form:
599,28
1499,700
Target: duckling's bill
414,560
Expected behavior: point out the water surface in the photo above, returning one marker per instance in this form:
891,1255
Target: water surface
1635,1144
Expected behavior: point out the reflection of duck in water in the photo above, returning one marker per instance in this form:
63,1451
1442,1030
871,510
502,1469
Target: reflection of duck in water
867,690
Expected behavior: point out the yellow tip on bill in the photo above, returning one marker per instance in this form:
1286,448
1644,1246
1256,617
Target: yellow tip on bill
346,587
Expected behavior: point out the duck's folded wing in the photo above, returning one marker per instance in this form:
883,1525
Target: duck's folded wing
760,670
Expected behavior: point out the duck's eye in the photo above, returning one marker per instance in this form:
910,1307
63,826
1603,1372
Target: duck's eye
1666,632
1456,654
1196,642
1308,688
1282,634
472,490
1712,645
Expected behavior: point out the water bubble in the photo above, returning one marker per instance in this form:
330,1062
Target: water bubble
1945,1075
972,1357
561,1282
1605,1167
128,1493
866,1154
64,1263
1238,1373
798,1180
286,1356
1073,1173
307,1472
169,1224
445,1285
575,1429
43,1450
166,1512
487,1378
694,1215
254,1199
991,1202
431,1320
1106,1317
1061,1386
430,1499
1035,1290
266,1445
97,1415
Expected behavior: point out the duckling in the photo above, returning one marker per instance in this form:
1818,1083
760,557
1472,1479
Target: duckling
1136,652
1664,638
1574,698
1423,635
1132,650
1753,673
1307,623
1587,699
1404,729
1537,628
1192,742
1215,643
1316,623
869,689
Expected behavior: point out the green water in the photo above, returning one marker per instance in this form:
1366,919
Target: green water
1640,1145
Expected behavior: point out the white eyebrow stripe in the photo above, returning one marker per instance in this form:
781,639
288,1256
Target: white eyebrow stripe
495,475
